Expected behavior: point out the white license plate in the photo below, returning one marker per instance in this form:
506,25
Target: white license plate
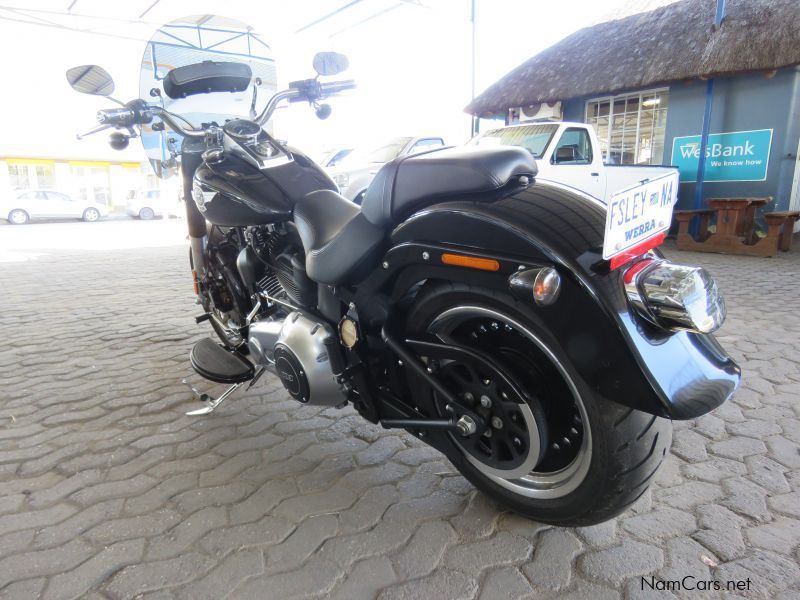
639,213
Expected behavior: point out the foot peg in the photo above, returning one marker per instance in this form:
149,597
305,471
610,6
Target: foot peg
218,364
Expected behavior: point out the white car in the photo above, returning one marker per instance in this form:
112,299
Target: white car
25,205
354,174
152,203
570,153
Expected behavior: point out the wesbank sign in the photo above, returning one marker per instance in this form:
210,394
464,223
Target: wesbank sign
735,156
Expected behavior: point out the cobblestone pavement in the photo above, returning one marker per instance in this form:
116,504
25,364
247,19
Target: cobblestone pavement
108,490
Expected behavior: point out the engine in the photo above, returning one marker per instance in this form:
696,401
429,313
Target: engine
282,250
298,350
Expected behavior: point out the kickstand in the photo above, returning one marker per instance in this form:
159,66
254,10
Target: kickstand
210,402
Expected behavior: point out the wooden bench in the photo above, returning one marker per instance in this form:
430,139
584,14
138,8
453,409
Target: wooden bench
786,219
684,218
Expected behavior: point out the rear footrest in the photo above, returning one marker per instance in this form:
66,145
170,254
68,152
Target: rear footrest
215,363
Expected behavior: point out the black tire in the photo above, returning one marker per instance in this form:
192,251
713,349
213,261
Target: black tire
626,447
146,213
18,217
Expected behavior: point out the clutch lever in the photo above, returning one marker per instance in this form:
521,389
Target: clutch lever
97,129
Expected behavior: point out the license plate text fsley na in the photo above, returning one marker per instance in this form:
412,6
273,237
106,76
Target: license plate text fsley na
639,213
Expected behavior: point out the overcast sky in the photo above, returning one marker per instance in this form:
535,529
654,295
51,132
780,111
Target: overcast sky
411,60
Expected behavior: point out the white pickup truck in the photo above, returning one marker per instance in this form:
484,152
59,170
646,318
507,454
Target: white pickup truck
569,153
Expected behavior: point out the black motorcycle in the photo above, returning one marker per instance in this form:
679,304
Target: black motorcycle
464,301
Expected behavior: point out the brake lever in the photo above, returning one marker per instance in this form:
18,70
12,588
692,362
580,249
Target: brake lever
97,129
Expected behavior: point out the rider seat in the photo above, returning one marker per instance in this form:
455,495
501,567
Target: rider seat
344,243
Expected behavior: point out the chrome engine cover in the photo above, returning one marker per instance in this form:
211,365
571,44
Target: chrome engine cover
295,350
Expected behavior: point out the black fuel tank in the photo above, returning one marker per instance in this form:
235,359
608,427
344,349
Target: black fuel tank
246,195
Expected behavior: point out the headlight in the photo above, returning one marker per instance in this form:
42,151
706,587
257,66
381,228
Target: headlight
341,179
675,296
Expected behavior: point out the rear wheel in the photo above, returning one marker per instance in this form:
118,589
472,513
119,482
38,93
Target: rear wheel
562,455
146,213
18,217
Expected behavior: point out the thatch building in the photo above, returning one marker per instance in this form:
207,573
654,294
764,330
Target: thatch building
641,81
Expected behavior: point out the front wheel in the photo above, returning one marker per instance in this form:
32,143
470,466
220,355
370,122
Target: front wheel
90,215
564,455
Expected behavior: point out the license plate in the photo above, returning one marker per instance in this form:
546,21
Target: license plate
639,213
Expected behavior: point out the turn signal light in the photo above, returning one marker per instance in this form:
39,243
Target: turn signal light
542,284
472,262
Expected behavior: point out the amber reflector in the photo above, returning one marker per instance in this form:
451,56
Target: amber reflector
459,260
195,284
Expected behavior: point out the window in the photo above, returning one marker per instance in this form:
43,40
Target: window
630,127
574,148
59,197
427,144
534,138
45,176
18,174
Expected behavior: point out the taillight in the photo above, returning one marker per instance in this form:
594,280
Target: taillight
675,296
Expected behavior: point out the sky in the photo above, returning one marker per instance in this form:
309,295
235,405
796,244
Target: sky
411,60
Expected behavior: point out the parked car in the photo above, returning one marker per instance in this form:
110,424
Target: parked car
22,206
570,153
357,171
334,157
153,203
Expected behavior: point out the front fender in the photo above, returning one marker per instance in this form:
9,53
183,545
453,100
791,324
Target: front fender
673,374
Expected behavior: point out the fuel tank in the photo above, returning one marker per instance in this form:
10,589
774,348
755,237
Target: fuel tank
231,192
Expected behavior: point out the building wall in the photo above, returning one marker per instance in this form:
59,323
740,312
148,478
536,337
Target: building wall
741,103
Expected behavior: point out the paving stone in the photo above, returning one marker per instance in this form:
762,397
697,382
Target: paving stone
43,562
94,572
304,540
504,583
181,536
225,576
132,527
661,523
720,532
781,536
479,518
365,579
690,494
767,473
599,536
143,577
262,501
501,549
788,504
442,585
316,577
715,469
550,567
380,450
265,532
424,550
689,445
767,570
746,498
687,559
368,509
738,448
614,565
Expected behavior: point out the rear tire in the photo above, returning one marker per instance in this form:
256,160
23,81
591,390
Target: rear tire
625,446
18,217
146,213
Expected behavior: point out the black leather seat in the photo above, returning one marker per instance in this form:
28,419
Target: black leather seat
341,245
344,243
409,183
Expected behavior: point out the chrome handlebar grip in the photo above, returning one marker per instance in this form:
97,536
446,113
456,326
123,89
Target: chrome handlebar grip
116,116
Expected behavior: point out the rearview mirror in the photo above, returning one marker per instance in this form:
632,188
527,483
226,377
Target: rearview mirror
91,79
330,63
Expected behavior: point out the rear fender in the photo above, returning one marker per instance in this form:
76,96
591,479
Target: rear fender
673,374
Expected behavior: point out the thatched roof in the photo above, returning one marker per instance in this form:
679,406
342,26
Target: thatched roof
672,43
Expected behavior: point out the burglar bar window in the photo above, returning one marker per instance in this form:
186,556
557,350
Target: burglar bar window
630,126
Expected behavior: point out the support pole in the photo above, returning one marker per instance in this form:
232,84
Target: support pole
701,166
474,119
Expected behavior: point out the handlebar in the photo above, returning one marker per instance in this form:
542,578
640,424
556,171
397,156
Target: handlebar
116,117
139,112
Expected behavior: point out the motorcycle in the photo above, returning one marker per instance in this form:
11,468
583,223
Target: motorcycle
464,301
